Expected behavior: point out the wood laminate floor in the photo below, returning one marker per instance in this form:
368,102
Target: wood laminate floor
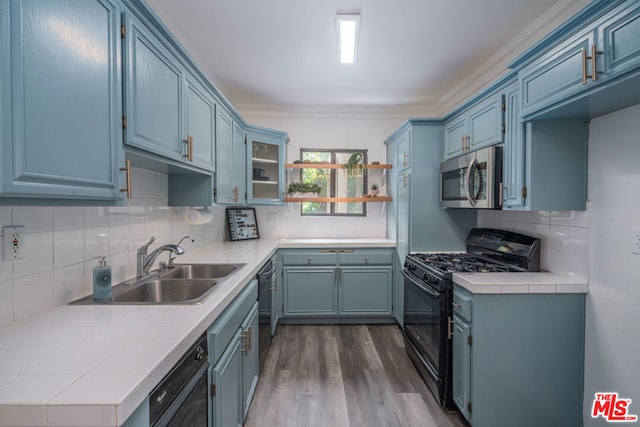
343,376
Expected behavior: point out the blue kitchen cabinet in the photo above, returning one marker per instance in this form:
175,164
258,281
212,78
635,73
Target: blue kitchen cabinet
200,119
517,364
233,355
60,101
365,290
230,187
415,220
513,154
266,154
276,291
592,71
479,126
403,152
250,364
154,93
310,291
139,417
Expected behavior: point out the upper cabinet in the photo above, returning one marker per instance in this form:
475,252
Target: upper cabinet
265,171
230,160
168,113
592,71
479,126
60,101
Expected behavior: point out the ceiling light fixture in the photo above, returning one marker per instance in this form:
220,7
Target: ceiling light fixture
348,27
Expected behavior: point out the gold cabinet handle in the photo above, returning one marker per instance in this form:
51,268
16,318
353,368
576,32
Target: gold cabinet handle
584,66
189,142
594,62
235,192
127,173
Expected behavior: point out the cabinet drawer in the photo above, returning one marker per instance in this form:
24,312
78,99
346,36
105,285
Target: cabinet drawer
367,257
226,325
320,257
462,305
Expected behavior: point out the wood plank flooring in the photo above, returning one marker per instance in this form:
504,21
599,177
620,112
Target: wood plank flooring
343,376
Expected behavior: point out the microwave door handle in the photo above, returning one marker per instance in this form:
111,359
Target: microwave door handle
472,165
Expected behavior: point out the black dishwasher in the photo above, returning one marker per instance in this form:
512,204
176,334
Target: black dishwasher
264,311
181,397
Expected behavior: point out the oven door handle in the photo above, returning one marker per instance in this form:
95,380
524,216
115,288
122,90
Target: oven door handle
419,284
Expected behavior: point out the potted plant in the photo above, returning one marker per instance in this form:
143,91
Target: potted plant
303,189
354,164
375,190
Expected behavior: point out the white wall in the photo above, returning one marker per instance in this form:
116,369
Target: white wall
60,243
332,130
612,338
597,244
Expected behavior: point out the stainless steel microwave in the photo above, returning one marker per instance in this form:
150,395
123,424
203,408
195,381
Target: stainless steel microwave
472,180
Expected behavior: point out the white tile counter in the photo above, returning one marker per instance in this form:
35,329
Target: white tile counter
519,283
92,365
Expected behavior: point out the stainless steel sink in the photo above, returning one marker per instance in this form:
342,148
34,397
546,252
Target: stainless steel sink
200,271
166,291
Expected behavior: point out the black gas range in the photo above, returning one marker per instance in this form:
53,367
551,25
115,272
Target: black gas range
428,296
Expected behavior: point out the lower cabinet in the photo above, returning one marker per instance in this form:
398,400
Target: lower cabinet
518,357
338,283
233,352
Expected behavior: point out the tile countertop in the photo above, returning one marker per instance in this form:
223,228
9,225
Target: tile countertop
520,283
87,365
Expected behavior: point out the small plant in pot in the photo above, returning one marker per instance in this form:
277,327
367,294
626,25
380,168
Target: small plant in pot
375,190
303,189
354,165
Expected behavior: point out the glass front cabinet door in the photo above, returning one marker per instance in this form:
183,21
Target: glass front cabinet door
265,171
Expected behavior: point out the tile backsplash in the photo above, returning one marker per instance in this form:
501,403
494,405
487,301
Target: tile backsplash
60,244
564,236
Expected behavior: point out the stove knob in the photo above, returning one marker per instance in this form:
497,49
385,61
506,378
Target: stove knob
411,267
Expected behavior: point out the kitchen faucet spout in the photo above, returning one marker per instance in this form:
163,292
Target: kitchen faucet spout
145,261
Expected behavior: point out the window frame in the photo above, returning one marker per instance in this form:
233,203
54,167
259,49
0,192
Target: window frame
333,185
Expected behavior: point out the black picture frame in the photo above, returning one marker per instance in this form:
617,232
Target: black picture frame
242,223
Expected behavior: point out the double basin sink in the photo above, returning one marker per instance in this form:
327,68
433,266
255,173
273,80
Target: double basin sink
182,284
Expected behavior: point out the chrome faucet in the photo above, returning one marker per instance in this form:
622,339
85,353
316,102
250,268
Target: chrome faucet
145,261
171,257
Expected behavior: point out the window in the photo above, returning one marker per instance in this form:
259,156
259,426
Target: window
334,183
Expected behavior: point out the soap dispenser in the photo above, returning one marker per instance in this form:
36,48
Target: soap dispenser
101,279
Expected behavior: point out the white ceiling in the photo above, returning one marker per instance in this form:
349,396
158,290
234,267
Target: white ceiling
284,52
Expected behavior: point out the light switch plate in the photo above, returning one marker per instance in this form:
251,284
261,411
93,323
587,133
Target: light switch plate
12,246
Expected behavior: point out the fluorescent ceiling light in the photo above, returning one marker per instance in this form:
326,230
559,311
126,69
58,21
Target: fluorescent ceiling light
348,27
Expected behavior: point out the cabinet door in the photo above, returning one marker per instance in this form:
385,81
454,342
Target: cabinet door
455,132
365,291
461,365
154,84
61,99
276,293
485,123
227,400
557,75
200,111
310,291
403,244
249,358
619,39
265,171
227,187
514,154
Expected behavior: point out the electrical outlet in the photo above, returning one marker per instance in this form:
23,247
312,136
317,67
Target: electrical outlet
13,242
635,249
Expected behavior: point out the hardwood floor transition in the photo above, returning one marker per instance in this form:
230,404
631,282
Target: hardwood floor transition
343,376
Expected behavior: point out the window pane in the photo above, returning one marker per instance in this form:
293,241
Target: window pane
349,185
322,177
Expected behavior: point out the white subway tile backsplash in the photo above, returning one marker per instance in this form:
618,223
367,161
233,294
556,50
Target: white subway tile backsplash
38,254
96,242
68,247
118,239
34,218
33,294
5,217
6,270
578,266
118,215
540,217
71,217
68,284
559,237
6,303
96,216
579,240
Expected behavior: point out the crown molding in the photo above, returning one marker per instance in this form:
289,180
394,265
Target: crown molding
334,112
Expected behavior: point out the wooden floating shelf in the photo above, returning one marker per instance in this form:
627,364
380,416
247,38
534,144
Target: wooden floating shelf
333,166
339,199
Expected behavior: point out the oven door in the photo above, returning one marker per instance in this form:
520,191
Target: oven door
472,180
